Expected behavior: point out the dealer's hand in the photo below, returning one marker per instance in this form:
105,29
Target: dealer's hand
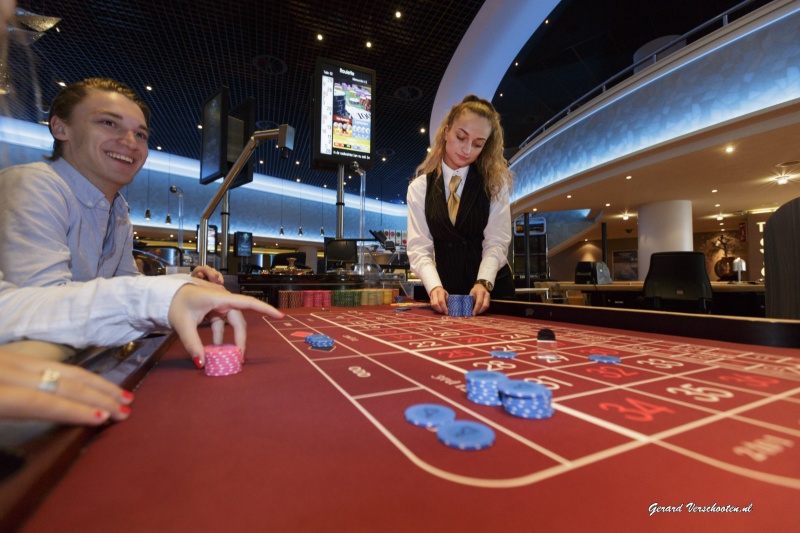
194,303
481,297
38,389
439,300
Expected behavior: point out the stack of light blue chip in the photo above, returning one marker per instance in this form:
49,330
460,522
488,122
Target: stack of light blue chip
483,386
525,399
318,340
460,305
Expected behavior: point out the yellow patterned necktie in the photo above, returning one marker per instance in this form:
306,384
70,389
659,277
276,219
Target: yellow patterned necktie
452,202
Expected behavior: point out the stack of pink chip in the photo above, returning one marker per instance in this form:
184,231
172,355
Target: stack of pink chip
223,360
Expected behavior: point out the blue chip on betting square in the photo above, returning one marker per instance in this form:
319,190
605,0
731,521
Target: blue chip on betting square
503,354
599,358
465,435
316,337
429,415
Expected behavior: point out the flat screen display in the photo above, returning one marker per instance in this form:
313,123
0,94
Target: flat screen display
343,115
243,243
214,137
212,239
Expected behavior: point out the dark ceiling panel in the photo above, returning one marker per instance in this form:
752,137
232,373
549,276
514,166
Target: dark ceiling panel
266,49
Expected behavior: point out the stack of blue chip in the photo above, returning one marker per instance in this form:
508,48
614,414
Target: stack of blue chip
460,304
525,399
483,386
318,340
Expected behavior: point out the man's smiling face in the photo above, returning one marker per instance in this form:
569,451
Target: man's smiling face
105,139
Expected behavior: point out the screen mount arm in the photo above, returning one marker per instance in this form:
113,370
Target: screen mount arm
285,135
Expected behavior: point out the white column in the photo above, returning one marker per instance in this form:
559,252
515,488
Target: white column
311,256
664,227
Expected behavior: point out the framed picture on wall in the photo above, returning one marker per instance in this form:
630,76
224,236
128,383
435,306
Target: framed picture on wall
625,265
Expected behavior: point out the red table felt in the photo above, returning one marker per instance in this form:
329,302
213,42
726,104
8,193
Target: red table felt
316,440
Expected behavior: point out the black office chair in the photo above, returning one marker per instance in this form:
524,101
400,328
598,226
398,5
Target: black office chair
678,281
781,257
340,253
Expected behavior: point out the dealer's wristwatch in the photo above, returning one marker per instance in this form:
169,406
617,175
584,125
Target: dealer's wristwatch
486,284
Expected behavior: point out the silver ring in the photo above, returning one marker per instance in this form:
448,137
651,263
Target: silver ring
49,381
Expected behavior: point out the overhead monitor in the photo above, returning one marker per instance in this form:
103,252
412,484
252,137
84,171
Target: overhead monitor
214,143
343,115
224,136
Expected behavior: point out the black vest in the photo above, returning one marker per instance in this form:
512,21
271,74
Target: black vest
458,249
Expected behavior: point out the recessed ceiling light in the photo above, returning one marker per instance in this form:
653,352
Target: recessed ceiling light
298,180
713,190
319,36
569,196
397,14
628,177
719,217
422,130
297,162
729,149
782,180
716,205
608,205
149,88
369,44
199,126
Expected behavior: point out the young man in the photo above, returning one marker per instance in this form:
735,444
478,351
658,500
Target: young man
66,221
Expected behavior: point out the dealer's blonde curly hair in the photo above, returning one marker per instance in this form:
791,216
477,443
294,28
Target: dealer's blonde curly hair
491,163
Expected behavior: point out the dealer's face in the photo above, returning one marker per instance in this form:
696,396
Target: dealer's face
105,139
465,138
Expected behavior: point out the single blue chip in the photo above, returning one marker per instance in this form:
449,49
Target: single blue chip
322,343
598,358
503,354
316,336
429,415
466,435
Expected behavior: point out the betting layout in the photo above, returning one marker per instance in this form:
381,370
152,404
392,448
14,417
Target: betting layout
724,406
